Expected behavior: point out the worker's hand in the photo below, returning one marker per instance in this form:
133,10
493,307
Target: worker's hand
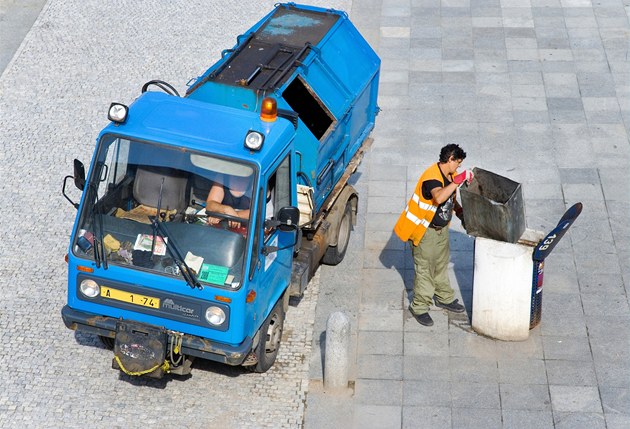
466,176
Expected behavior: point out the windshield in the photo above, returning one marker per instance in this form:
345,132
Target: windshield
201,202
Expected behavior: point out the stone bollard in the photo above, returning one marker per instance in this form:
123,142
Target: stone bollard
336,365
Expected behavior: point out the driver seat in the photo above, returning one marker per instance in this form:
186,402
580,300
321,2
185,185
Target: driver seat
147,184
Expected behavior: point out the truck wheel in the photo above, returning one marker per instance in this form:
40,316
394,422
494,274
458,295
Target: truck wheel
270,336
335,254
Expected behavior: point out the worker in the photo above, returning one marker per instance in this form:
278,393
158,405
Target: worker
424,223
231,199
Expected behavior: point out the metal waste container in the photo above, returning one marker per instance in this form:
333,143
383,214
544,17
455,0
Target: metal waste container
508,272
493,207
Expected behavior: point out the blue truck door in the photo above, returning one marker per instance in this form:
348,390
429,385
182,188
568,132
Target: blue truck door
273,273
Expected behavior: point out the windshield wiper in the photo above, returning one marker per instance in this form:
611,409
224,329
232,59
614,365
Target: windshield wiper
160,228
159,207
101,241
173,250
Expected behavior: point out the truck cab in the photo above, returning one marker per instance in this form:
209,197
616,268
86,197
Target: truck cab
276,125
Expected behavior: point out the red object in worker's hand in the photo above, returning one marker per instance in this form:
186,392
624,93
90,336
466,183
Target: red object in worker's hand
465,176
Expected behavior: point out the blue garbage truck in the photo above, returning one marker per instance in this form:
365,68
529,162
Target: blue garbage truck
201,215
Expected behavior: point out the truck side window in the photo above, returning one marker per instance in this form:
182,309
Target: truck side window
278,191
113,181
283,184
116,163
270,207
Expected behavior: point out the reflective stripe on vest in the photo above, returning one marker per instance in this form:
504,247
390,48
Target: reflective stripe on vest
424,206
415,219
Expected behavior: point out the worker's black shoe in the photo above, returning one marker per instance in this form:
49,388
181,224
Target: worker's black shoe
454,306
423,319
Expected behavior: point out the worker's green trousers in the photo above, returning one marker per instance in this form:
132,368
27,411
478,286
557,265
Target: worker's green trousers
430,258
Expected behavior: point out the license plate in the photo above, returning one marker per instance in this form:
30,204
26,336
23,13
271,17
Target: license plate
132,298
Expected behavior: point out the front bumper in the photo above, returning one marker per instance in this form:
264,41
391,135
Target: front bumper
191,345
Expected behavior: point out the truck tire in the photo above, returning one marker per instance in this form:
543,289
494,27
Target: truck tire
335,254
270,335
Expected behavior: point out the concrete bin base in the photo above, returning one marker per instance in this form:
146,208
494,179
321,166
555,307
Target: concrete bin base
502,286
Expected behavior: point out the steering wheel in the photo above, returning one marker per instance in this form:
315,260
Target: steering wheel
225,218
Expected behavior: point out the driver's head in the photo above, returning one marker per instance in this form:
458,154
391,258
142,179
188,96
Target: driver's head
238,185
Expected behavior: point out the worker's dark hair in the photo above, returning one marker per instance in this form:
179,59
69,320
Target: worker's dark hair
452,150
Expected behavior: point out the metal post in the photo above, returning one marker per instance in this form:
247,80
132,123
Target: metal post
337,354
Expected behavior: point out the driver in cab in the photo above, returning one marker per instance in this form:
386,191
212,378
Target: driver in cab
231,198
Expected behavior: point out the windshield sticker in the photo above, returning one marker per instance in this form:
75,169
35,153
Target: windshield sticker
194,262
213,274
144,242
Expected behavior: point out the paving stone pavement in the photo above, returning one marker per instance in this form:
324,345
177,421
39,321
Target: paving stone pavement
535,90
16,19
78,57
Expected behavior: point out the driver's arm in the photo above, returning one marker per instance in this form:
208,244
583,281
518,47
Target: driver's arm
214,204
215,197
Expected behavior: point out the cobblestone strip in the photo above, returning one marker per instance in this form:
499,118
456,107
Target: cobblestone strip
80,56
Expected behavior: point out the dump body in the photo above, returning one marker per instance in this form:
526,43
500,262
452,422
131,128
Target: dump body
316,64
154,266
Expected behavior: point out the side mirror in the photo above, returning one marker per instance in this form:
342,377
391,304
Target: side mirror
79,175
79,181
289,217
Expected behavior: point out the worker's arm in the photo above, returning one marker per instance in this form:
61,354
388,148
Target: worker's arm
440,194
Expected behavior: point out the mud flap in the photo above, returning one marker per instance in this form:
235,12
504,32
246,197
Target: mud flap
140,349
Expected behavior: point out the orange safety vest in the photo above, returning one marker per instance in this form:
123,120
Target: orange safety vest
417,216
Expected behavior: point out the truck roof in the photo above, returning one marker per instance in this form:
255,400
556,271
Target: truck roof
204,127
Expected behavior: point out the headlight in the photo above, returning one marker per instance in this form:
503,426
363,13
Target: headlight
215,316
254,140
117,113
90,288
